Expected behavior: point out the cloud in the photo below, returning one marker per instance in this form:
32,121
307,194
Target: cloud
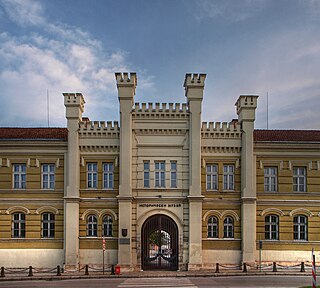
228,10
24,12
57,57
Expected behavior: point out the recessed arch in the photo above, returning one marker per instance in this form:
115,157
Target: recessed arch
152,212
88,212
301,211
211,213
272,211
47,209
14,209
108,211
230,213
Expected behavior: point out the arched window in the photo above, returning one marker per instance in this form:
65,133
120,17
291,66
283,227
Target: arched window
107,226
300,227
213,224
228,227
47,225
92,226
272,227
18,225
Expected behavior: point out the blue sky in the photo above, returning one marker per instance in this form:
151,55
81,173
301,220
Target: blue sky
244,47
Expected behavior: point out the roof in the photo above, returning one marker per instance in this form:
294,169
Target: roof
286,135
34,133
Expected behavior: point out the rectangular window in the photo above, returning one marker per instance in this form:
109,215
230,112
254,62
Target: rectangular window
92,175
146,174
212,177
228,177
47,171
173,172
108,175
160,179
19,176
270,179
299,179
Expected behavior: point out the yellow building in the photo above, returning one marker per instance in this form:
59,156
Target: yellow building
163,189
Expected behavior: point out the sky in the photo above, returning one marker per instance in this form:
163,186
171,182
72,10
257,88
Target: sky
259,47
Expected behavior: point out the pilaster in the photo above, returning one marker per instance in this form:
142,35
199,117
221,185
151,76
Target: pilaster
74,103
126,84
246,106
194,85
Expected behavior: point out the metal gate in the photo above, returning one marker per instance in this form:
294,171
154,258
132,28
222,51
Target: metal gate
159,243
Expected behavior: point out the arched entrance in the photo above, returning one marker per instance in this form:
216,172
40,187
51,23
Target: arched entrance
159,235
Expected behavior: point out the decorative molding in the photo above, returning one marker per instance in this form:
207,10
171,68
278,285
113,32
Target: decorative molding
100,148
272,210
37,163
116,161
28,162
88,212
14,209
8,163
203,162
230,212
211,213
263,163
238,163
301,211
213,150
108,211
0,162
47,209
82,161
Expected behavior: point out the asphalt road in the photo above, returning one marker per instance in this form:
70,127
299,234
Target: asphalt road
179,282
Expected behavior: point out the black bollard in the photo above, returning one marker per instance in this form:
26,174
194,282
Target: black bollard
217,268
58,270
112,270
87,270
2,272
245,267
30,271
302,267
274,268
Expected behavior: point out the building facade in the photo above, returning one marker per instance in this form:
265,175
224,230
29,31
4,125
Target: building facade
162,190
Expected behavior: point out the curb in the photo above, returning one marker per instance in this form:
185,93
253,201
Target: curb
148,275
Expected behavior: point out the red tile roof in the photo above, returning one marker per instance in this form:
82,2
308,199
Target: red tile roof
34,133
286,135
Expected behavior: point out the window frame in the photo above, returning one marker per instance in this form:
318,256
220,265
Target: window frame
21,225
108,173
173,174
50,223
212,177
92,226
228,227
92,175
298,177
271,234
297,233
146,174
269,176
228,177
21,173
107,226
213,227
49,174
160,174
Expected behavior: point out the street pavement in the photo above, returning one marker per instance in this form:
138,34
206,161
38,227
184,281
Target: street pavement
282,281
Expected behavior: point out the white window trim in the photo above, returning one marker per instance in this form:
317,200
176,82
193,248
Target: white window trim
228,173
108,172
270,176
19,173
211,177
48,173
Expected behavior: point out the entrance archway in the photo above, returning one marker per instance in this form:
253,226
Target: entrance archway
159,238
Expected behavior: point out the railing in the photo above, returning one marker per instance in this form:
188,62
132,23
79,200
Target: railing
271,267
57,271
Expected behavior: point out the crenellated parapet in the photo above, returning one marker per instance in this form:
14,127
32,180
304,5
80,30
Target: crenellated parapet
221,130
103,129
160,110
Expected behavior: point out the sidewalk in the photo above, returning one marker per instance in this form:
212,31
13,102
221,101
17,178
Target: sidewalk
146,274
